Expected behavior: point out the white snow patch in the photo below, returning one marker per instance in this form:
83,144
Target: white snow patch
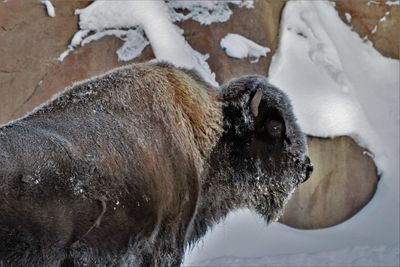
348,17
378,255
139,23
78,37
375,29
393,2
339,85
64,54
49,7
387,13
205,12
373,2
238,46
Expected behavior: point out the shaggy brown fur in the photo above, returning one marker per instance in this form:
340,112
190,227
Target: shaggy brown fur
131,166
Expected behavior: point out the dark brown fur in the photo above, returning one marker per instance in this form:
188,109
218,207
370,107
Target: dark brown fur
152,146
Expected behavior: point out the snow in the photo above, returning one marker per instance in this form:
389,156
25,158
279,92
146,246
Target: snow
139,23
64,54
375,29
49,7
339,85
379,255
387,13
78,37
373,2
206,12
393,2
348,17
238,46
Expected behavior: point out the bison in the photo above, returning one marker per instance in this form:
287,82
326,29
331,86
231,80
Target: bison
131,167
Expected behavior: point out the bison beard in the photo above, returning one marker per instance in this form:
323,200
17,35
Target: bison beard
134,165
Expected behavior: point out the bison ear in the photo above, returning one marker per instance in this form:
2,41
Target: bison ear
255,102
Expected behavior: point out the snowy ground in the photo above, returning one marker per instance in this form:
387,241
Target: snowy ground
339,85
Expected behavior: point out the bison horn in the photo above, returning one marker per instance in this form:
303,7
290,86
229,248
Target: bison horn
255,102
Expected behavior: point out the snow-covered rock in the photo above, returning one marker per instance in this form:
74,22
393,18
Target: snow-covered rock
135,22
238,46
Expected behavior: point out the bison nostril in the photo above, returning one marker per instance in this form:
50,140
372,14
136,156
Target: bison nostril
310,168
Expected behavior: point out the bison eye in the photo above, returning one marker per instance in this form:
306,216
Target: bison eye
275,128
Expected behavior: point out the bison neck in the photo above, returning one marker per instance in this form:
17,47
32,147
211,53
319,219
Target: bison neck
223,190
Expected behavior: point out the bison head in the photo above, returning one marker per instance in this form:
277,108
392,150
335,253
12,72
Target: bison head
265,151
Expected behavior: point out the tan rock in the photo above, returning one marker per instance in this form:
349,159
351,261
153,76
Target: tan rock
343,182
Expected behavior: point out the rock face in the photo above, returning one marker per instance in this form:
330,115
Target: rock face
30,43
343,181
